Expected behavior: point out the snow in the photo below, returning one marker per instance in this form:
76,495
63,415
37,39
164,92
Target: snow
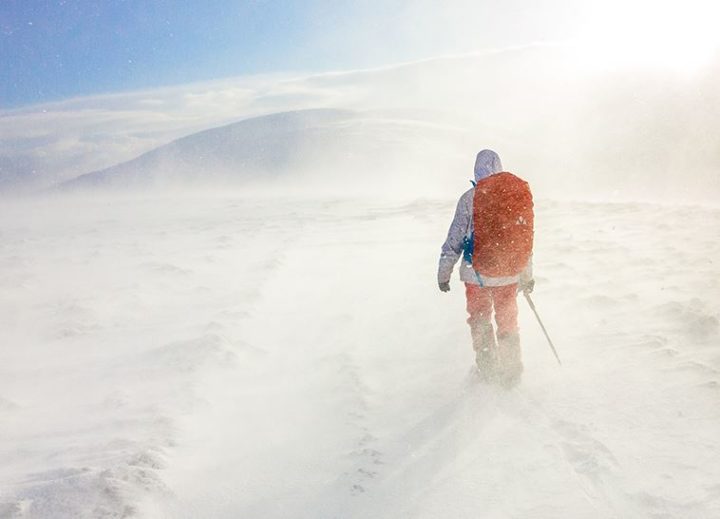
239,356
312,149
569,124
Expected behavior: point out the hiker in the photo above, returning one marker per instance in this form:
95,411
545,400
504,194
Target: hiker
493,231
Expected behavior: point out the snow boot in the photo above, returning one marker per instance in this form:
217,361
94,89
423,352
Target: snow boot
483,337
510,366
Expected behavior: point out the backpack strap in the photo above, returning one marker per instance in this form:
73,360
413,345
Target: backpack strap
468,248
480,281
468,243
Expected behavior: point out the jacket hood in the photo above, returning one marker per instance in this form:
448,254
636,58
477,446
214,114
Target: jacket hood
487,163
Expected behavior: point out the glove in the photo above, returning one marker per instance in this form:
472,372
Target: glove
527,285
444,286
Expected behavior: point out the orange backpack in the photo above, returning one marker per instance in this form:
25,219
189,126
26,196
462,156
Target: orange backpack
503,221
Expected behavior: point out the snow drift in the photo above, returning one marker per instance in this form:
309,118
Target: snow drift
229,357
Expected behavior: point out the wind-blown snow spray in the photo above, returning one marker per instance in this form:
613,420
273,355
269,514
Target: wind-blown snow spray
532,307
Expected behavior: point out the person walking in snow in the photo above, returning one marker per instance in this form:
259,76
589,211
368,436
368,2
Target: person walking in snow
493,233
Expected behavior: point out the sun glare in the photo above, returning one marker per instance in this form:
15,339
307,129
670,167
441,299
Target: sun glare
679,36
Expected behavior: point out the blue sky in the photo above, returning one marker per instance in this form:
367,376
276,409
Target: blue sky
58,49
149,51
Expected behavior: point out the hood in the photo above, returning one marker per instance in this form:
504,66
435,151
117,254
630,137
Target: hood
487,163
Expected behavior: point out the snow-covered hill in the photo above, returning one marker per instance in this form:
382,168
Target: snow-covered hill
571,126
306,148
246,357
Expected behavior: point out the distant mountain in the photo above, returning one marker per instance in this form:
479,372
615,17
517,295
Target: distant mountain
568,126
322,145
22,174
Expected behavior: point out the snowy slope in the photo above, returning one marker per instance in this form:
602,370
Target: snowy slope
574,124
317,148
241,357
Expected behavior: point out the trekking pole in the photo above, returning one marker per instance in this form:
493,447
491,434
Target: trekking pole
532,307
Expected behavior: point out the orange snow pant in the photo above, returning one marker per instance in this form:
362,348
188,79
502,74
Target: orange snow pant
482,300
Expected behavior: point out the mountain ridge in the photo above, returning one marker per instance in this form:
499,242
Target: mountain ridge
311,145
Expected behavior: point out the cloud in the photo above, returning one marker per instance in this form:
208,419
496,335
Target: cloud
567,126
68,138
